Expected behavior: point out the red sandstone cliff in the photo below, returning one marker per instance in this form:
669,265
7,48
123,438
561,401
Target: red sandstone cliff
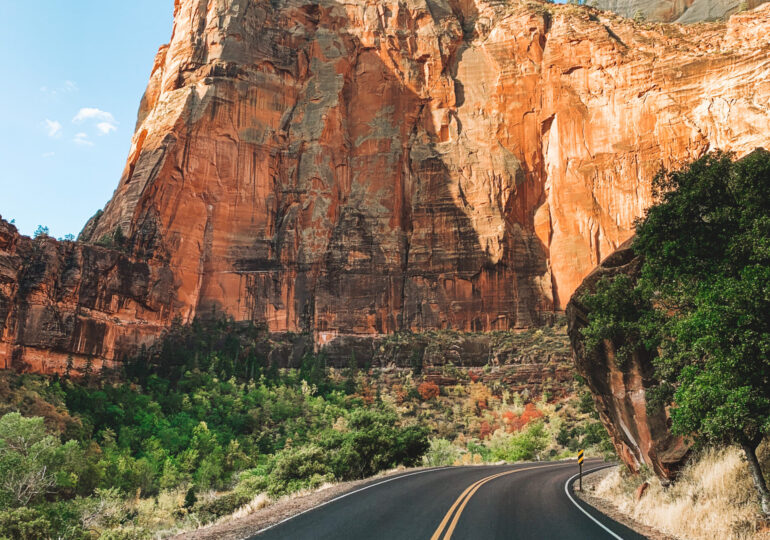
364,167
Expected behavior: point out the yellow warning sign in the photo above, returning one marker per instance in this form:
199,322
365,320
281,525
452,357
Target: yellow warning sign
581,456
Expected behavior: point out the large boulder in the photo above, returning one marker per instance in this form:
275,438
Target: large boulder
641,437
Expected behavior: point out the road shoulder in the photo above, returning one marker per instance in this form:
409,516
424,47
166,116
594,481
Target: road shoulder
244,526
590,481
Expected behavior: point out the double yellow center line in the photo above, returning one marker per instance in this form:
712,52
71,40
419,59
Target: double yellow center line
462,501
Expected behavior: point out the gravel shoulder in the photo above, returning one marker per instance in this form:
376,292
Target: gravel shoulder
244,526
590,481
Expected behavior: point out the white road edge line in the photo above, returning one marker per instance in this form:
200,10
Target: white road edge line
599,523
345,495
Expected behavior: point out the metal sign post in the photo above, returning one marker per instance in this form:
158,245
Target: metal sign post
581,457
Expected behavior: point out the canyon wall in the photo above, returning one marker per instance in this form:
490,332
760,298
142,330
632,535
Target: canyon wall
358,168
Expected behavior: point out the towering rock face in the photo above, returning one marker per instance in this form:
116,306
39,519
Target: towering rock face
680,11
364,167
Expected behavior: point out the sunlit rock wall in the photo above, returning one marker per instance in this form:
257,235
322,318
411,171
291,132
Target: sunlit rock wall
359,168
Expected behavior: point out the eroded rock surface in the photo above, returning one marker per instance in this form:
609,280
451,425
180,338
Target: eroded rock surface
67,301
363,167
641,437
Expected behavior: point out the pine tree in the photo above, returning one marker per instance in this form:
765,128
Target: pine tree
68,369
89,369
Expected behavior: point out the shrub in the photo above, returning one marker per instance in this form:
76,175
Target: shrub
298,468
522,446
374,442
221,506
586,404
31,461
428,390
440,453
24,524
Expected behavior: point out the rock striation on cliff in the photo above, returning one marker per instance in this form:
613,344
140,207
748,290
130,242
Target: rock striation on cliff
358,168
641,437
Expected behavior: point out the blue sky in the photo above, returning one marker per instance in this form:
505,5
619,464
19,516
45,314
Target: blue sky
73,75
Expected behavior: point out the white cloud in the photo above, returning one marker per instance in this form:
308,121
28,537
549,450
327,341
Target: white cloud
48,155
82,139
90,113
53,128
105,128
105,122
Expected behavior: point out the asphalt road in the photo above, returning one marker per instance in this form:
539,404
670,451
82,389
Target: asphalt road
524,501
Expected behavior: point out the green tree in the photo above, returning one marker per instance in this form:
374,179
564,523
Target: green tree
706,251
351,374
621,314
416,362
30,460
118,237
88,371
69,366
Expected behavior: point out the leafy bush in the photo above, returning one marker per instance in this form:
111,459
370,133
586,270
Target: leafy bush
298,468
428,390
221,506
521,446
441,453
24,524
586,403
372,443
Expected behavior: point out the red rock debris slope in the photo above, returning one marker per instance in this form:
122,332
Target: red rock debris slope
364,167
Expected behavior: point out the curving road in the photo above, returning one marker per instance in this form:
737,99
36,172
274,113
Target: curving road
523,501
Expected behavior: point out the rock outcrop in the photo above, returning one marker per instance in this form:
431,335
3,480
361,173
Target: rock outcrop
355,168
70,303
641,437
679,11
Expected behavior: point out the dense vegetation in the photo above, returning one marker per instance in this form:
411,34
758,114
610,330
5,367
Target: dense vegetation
701,304
201,412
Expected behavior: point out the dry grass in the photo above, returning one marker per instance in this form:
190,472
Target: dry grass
713,498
